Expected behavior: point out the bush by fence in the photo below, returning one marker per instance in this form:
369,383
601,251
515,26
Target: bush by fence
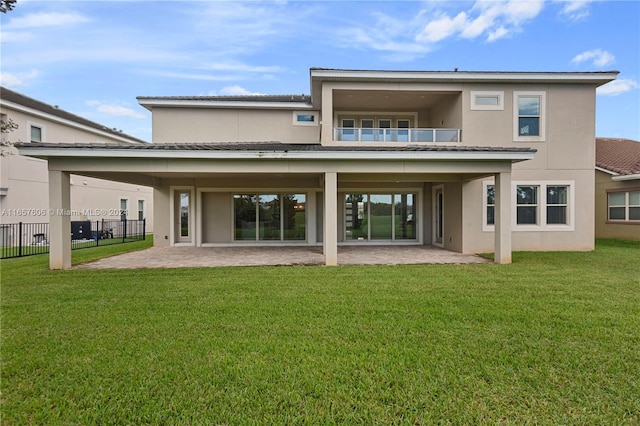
26,239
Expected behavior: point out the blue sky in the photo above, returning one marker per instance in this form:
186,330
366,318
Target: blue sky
93,58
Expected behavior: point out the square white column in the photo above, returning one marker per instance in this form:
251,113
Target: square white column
503,218
330,219
59,220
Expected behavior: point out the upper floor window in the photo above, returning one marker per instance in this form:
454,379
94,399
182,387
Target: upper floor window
305,118
624,206
487,100
36,133
529,116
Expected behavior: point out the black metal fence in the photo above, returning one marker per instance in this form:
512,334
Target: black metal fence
26,239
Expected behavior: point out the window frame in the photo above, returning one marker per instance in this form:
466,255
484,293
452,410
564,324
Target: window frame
475,106
32,124
282,233
542,116
627,206
395,239
541,215
143,202
314,122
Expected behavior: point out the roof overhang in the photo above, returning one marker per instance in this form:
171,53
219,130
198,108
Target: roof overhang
158,151
626,177
320,75
598,78
150,103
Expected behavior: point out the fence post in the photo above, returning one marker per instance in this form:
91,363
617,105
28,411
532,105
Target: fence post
20,239
97,233
144,229
124,231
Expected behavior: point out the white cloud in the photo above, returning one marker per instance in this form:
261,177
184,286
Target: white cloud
17,80
115,110
442,28
575,10
237,91
598,57
47,19
491,19
617,87
241,67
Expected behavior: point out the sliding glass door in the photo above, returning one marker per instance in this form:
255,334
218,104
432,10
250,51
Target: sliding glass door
385,217
269,217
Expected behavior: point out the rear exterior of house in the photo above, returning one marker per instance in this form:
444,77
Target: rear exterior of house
617,188
469,161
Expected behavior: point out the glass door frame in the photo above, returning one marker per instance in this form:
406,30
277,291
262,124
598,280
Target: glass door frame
176,238
437,238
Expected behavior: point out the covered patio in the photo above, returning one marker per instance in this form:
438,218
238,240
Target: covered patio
203,257
209,178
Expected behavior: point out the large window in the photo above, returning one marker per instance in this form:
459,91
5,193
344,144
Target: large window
529,120
526,205
543,206
624,206
269,217
370,217
557,204
490,200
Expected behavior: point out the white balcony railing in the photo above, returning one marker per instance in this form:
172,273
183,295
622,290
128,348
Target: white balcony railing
351,134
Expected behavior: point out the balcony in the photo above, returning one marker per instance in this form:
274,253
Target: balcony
354,134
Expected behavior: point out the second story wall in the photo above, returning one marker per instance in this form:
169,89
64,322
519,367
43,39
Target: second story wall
566,120
200,125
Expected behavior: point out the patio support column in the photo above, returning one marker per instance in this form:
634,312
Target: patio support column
503,218
330,219
59,220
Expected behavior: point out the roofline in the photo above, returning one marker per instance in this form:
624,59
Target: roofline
607,171
44,115
597,77
635,176
97,152
150,102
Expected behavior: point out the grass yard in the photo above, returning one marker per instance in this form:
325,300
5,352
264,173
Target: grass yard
553,338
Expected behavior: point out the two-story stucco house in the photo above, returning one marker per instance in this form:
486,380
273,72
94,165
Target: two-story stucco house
24,188
468,161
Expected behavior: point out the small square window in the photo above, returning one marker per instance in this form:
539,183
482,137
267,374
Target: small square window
36,134
305,118
487,101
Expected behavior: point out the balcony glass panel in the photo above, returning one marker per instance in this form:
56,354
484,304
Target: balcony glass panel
447,135
348,134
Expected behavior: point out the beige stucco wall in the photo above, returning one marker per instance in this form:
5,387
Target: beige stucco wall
26,179
604,228
479,240
172,125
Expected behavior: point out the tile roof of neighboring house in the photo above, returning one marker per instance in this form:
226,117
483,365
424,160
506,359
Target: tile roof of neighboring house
245,98
275,147
621,156
25,101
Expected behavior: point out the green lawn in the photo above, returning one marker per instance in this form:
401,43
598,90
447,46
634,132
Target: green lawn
553,338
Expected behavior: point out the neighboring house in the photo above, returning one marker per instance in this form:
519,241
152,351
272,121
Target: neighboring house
24,187
469,161
617,188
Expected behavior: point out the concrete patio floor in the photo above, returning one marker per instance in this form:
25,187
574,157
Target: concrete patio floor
187,257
